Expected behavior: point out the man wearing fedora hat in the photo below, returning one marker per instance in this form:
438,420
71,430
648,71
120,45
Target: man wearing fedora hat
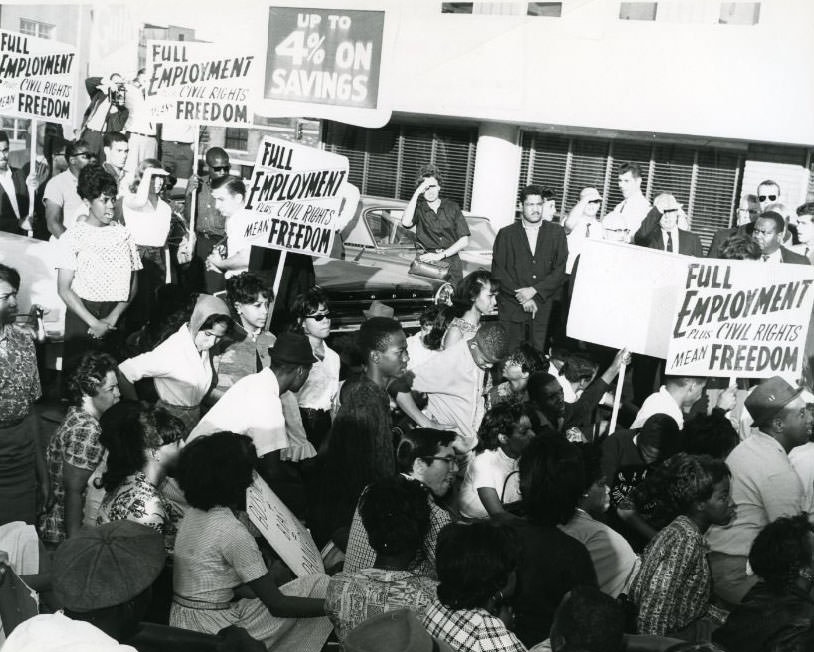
764,484
252,405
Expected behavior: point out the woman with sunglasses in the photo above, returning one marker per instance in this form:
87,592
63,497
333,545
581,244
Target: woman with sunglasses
148,218
318,395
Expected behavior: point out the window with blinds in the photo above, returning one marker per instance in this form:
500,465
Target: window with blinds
705,181
385,162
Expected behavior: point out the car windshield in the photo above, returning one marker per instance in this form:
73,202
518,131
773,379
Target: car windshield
481,234
385,225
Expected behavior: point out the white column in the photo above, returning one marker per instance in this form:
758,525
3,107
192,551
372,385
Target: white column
497,168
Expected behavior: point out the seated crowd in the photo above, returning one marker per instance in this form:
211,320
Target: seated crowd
466,492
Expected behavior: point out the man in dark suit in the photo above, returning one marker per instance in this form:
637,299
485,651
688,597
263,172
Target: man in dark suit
768,234
529,261
659,230
746,214
13,192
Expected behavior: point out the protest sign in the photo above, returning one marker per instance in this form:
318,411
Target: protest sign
741,318
282,530
37,78
293,200
205,83
624,296
327,63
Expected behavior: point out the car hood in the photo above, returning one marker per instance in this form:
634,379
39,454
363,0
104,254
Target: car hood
333,274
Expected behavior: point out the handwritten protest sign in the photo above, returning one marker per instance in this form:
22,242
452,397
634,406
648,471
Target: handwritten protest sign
624,296
206,83
327,63
282,530
293,200
741,318
37,78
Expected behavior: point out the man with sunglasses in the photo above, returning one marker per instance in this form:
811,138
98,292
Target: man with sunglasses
659,230
768,192
210,225
61,199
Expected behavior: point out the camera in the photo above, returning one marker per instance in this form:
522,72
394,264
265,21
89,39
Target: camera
117,93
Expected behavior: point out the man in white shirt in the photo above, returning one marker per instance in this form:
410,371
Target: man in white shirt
116,148
805,231
674,398
768,233
252,405
61,199
139,127
229,193
627,216
764,483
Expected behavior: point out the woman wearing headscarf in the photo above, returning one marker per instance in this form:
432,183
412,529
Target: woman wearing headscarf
181,364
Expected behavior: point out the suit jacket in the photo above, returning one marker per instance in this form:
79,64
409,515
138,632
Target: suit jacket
723,235
790,257
649,235
8,220
515,267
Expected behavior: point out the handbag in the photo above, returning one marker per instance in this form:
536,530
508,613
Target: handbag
438,269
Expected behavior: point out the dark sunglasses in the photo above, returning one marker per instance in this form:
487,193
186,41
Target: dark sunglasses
221,168
765,197
84,154
595,201
320,317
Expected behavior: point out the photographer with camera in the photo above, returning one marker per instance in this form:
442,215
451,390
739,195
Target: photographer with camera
106,111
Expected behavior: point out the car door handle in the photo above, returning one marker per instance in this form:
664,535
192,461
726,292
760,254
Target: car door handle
359,255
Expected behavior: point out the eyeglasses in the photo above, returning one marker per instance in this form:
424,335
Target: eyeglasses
595,201
449,460
319,317
220,168
84,154
669,210
765,197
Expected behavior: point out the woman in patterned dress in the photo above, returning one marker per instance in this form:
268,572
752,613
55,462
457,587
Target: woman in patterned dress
475,296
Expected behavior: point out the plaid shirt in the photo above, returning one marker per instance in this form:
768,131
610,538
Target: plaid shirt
359,555
19,377
470,630
76,442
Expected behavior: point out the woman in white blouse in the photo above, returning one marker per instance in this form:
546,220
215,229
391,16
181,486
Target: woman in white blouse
317,396
180,365
148,218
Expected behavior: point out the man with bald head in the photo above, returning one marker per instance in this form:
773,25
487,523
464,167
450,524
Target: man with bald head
210,225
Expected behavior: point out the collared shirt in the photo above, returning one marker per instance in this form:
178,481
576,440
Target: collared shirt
322,385
532,231
764,487
352,598
182,374
614,561
19,376
250,407
103,259
628,214
674,582
7,181
673,233
775,257
454,385
470,630
442,229
207,217
493,470
587,229
659,403
76,442
803,249
61,190
360,555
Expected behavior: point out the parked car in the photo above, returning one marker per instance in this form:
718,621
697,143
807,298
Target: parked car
378,252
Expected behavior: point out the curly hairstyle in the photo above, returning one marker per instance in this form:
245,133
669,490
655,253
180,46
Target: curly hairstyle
374,335
396,515
469,288
129,430
90,375
552,479
527,358
693,479
245,288
419,443
578,368
95,182
426,171
306,303
588,619
739,247
493,340
500,420
781,551
440,316
474,562
710,434
215,470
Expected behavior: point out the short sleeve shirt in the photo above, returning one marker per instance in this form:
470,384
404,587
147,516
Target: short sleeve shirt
442,229
61,190
76,442
102,259
490,469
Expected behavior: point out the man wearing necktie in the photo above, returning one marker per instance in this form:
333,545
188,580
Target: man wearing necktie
805,231
768,233
659,230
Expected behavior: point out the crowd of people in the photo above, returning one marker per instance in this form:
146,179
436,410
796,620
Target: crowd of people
462,481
